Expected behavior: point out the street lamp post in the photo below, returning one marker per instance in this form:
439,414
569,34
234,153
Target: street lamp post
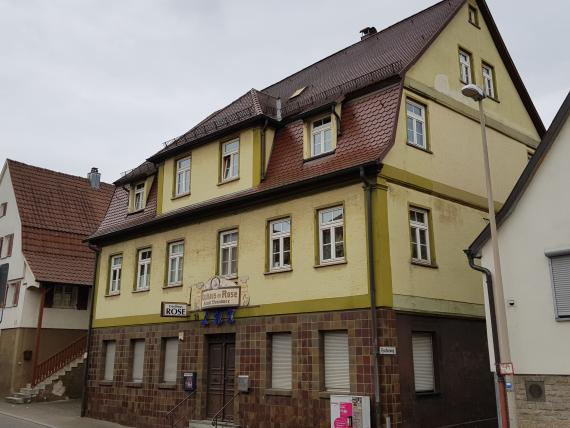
476,93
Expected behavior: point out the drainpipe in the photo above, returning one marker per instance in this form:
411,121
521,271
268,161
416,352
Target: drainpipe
38,332
89,333
368,187
263,144
501,392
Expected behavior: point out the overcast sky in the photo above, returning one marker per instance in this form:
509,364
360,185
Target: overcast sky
104,82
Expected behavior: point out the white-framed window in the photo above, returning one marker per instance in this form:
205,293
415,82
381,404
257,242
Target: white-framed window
3,209
560,273
281,361
115,274
6,243
280,244
170,360
175,262
422,355
331,235
139,197
228,253
488,81
230,160
337,373
465,66
143,269
416,124
183,175
473,16
321,136
109,350
419,235
65,296
137,367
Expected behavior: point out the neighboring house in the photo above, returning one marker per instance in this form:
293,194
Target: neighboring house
46,270
534,242
355,182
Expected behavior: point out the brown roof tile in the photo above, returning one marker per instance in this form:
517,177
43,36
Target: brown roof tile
58,211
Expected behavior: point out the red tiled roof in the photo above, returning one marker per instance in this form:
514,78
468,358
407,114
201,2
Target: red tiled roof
385,54
58,211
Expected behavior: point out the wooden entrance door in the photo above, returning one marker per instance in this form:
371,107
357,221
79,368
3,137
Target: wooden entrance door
221,375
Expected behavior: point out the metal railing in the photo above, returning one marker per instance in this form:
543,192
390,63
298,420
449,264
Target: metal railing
170,414
59,360
217,415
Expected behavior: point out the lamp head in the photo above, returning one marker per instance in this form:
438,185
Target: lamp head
473,91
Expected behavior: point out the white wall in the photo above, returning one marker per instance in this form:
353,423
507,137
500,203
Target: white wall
541,221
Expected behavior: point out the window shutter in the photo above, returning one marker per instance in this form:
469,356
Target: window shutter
422,353
281,361
560,266
83,297
110,347
170,359
138,360
337,376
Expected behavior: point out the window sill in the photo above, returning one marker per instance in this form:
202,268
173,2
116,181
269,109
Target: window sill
327,394
182,195
428,394
166,385
322,155
106,382
221,183
493,99
424,264
141,291
279,392
113,294
167,286
426,150
135,212
335,263
134,384
273,272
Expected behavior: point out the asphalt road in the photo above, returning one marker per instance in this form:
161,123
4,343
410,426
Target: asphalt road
10,422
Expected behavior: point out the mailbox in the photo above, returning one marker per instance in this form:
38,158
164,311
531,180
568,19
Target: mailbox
190,381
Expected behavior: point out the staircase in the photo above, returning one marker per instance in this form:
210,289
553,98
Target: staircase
50,371
208,424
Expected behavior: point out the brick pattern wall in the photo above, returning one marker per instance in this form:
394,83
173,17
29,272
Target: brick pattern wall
551,412
307,405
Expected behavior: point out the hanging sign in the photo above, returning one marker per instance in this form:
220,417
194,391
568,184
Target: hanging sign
173,309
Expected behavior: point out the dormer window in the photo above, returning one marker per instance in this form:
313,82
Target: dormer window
230,160
139,197
183,176
321,136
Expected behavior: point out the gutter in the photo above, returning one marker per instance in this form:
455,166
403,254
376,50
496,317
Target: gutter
84,394
368,187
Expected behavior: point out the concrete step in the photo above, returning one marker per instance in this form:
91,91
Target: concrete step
17,400
208,424
29,394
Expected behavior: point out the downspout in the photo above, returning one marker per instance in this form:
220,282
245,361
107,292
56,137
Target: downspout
263,144
35,357
501,392
89,333
368,186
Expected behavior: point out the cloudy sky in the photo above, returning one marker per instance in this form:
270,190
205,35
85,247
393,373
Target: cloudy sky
104,82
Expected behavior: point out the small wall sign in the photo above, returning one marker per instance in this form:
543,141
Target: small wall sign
506,369
226,297
173,309
387,350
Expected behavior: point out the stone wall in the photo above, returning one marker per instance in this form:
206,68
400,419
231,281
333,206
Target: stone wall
551,410
306,405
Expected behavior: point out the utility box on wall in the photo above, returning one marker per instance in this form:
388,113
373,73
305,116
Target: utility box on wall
350,411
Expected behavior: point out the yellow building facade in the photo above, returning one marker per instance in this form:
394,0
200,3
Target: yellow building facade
338,211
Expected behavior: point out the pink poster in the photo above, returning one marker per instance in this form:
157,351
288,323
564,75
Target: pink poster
345,418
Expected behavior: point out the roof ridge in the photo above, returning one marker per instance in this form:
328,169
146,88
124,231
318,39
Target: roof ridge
433,6
65,174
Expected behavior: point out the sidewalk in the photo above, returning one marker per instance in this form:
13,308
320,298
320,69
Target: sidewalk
57,414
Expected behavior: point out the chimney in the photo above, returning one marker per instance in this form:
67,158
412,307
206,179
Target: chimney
278,109
367,32
94,178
